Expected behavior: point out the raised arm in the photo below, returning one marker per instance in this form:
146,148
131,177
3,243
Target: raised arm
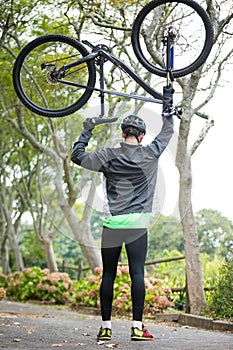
89,160
79,152
161,141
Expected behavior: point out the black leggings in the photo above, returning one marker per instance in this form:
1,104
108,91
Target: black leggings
136,252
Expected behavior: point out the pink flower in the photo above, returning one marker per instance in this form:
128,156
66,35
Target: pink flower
52,289
65,295
26,269
92,279
66,285
98,270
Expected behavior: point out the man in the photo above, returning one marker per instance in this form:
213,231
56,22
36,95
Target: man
130,173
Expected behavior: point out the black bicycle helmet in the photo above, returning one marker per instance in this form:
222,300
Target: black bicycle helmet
134,121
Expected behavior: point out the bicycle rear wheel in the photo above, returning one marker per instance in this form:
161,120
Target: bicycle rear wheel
195,36
35,84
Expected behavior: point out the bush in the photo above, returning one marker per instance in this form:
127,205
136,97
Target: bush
3,280
221,299
36,284
86,292
54,287
2,293
21,285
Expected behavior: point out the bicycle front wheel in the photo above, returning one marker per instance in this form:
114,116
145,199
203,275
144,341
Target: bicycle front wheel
40,89
195,36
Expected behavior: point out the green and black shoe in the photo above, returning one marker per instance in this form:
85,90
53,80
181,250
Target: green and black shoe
104,334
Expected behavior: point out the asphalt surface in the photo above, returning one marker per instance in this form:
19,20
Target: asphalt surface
28,326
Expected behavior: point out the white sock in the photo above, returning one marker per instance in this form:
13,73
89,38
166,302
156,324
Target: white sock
137,324
107,324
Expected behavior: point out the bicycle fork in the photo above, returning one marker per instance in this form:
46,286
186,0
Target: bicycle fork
171,36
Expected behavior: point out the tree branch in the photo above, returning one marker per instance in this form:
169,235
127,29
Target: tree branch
202,135
99,21
213,9
23,130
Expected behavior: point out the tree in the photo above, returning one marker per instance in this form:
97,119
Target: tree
12,204
221,54
36,134
214,232
20,196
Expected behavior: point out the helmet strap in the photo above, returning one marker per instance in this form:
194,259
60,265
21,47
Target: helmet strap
130,131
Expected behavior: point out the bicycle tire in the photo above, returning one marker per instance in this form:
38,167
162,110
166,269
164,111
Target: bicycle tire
154,11
34,85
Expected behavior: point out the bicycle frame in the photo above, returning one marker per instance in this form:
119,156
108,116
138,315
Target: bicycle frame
102,55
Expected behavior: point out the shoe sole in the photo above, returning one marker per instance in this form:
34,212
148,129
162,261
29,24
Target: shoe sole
141,339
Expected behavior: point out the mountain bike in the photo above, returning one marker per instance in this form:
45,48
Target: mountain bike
55,75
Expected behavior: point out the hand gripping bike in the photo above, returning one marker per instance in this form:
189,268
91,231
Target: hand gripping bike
55,75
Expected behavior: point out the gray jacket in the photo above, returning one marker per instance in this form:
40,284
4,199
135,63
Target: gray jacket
130,170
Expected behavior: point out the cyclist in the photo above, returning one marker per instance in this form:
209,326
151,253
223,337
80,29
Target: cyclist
130,173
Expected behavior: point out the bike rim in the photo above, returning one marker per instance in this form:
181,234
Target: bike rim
194,42
41,92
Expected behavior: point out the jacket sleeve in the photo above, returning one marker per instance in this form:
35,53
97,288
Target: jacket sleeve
88,160
162,139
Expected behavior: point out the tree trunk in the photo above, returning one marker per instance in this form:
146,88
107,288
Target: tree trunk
15,247
12,236
194,281
47,244
83,236
4,241
5,258
89,247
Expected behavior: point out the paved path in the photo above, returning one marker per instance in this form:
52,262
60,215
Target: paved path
26,326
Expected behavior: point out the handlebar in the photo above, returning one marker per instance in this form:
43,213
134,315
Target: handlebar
100,120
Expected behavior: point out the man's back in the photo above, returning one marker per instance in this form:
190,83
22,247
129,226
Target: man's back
130,170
